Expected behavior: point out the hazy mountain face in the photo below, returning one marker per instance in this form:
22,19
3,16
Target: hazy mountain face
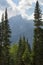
21,27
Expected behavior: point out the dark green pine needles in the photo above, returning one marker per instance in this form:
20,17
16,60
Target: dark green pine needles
38,37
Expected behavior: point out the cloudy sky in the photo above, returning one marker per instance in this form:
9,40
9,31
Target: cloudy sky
25,8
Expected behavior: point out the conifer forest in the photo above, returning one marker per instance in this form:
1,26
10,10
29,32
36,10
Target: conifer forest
21,52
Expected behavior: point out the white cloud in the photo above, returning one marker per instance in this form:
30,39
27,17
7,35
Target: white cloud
27,16
20,9
12,4
23,5
12,13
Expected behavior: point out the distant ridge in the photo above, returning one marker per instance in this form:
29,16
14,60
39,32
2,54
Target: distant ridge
20,27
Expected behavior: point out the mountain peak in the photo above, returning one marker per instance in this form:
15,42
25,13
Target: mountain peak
20,27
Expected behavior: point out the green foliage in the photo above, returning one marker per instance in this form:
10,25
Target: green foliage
14,49
1,41
21,48
0,45
26,56
24,51
13,52
4,40
37,15
38,34
21,52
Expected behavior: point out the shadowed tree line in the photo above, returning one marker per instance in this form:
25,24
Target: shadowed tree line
21,53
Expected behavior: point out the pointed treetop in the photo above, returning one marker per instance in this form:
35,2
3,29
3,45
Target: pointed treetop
5,10
37,2
6,13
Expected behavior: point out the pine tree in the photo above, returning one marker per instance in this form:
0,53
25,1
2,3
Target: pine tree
1,42
38,35
37,15
24,52
26,56
2,25
6,39
21,49
0,45
19,52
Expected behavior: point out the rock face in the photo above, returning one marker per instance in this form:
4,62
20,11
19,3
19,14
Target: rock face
21,27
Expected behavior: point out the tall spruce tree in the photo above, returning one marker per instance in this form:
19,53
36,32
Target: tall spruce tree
1,41
38,37
6,39
26,56
0,45
20,52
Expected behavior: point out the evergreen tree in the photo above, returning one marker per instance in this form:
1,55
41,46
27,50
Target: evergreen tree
6,39
38,37
0,45
1,42
21,49
26,56
24,52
